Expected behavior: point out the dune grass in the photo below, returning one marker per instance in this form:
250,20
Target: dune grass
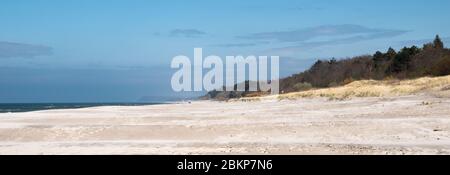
372,88
437,86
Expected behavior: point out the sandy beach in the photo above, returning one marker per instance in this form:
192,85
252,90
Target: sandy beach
415,124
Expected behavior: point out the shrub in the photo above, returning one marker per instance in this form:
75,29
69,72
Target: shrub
442,67
333,84
348,80
302,86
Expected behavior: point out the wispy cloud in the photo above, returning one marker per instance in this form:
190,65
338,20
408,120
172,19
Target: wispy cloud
302,46
21,50
308,38
188,33
228,45
303,35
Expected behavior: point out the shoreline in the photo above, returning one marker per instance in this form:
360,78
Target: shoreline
34,107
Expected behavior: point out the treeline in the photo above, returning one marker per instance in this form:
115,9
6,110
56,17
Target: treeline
433,59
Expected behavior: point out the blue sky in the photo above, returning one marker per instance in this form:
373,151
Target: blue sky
120,50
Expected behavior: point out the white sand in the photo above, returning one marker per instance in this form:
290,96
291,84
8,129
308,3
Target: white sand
397,125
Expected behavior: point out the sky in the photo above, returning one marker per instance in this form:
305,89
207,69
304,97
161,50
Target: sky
120,50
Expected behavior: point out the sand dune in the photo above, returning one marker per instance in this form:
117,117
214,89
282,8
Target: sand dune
435,86
417,124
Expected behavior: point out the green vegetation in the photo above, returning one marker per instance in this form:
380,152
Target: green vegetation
433,59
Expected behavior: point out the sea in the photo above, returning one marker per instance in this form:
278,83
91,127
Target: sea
27,107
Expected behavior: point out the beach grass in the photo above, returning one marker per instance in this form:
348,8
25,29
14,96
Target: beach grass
437,86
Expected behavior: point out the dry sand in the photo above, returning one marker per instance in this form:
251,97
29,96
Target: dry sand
417,124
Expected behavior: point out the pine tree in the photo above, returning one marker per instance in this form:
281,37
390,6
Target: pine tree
332,61
391,53
438,44
378,55
378,59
